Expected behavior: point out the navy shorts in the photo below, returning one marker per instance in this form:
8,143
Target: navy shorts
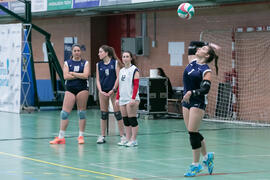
75,91
195,104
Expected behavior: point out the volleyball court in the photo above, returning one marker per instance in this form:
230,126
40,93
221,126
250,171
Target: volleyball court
237,102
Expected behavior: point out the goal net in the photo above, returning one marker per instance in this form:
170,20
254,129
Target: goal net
240,91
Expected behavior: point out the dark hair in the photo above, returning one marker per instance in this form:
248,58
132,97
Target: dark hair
72,47
161,72
110,50
212,56
131,55
75,45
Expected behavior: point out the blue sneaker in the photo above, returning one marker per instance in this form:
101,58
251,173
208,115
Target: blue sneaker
193,170
209,162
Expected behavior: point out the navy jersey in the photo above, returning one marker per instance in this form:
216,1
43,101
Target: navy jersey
193,76
78,67
107,74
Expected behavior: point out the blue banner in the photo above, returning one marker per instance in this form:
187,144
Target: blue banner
85,3
27,88
5,4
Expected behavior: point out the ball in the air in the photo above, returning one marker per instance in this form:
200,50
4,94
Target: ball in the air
185,11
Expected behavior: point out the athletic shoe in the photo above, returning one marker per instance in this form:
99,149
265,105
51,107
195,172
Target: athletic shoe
131,144
58,141
101,140
80,140
123,141
193,170
209,162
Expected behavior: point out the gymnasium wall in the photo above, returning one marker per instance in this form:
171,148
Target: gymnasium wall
172,28
169,28
92,31
60,28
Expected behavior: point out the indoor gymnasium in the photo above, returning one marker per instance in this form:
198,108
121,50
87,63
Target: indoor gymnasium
134,89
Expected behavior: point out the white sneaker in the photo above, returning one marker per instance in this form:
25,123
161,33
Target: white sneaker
123,141
101,140
131,144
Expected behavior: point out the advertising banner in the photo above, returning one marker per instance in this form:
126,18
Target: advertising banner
38,5
10,67
17,6
59,4
113,2
142,1
5,4
85,3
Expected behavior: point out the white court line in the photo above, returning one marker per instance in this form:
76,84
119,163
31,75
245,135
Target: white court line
75,134
242,156
127,171
239,122
152,160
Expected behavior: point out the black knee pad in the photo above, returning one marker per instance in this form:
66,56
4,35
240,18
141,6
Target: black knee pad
201,137
104,115
133,121
118,115
126,121
195,140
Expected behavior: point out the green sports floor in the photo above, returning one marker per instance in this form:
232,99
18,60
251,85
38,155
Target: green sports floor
241,152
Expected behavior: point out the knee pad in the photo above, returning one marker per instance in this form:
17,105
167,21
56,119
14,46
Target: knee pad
104,115
133,121
82,114
195,140
126,121
118,115
201,137
64,115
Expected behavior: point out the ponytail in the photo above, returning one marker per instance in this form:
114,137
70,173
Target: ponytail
212,56
216,64
111,52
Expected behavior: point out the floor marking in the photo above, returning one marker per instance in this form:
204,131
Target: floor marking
206,174
64,166
62,174
126,171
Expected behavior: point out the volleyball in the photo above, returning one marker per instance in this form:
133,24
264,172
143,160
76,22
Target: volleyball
185,11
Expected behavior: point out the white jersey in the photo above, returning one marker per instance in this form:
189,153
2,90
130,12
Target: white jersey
126,76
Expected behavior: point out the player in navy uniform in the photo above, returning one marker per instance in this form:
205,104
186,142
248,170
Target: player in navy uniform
128,98
197,83
76,72
107,83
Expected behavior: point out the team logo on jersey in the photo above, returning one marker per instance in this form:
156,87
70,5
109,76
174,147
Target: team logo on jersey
76,68
123,77
107,72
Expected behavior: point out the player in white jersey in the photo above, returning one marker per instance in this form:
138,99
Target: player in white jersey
128,98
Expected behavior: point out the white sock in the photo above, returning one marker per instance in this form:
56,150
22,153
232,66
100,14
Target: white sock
61,134
80,133
195,164
205,157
